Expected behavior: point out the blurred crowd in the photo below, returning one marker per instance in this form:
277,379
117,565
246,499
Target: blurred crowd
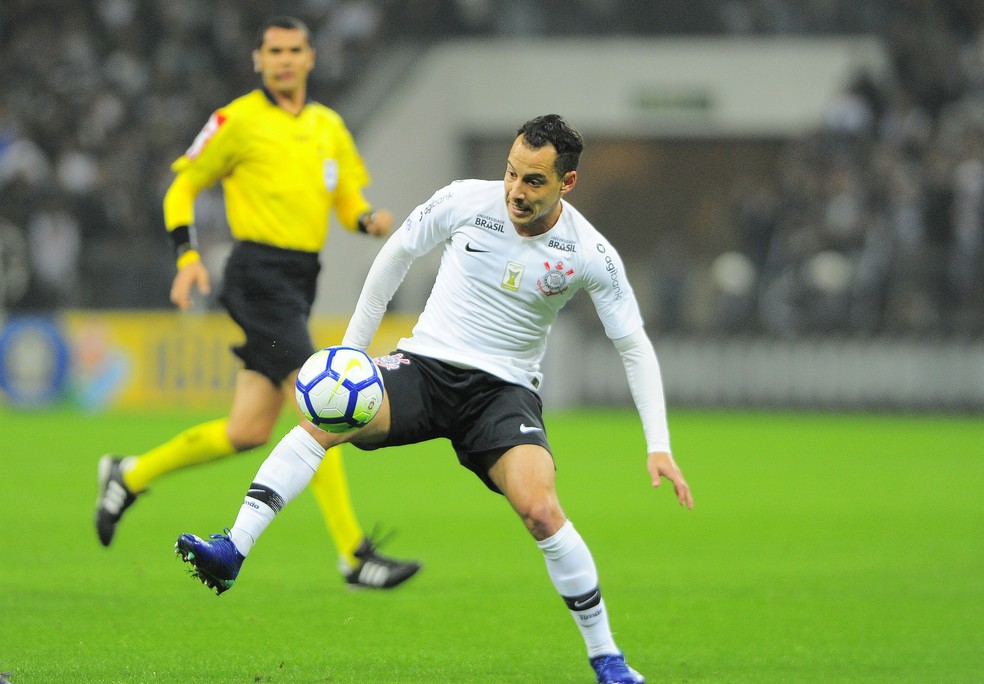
872,223
100,97
875,222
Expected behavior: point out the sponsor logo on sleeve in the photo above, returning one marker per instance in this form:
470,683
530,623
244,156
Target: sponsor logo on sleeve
612,271
434,203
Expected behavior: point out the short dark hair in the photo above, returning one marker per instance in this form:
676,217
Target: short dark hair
552,129
283,22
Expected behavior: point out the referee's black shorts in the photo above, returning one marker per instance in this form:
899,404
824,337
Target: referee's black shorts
483,416
269,292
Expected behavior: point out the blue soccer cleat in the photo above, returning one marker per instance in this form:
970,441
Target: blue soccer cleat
612,669
216,563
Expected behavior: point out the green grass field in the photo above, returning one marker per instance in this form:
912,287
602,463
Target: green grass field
823,548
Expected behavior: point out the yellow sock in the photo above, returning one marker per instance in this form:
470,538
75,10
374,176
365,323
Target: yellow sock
200,444
330,488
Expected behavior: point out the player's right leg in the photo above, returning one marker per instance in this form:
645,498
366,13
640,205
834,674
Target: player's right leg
215,561
281,477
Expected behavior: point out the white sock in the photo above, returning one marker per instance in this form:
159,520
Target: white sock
282,476
573,573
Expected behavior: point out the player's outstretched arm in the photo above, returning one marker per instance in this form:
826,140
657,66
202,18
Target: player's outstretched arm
190,275
661,464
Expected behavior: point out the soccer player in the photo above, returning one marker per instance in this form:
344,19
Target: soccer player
513,255
284,162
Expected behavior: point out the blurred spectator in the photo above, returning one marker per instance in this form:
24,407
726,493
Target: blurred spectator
54,242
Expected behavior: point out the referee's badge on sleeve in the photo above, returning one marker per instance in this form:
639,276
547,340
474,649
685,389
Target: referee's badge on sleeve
331,173
210,128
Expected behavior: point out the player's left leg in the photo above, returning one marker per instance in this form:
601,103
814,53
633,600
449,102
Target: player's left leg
525,474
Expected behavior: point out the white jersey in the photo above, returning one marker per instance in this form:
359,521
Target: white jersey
497,293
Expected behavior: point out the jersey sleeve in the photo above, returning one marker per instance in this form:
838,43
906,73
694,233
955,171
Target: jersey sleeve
427,226
213,154
611,293
646,386
432,222
388,270
210,157
353,177
179,203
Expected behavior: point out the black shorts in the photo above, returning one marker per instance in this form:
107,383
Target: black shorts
483,416
269,291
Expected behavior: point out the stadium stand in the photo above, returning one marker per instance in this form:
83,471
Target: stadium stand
872,224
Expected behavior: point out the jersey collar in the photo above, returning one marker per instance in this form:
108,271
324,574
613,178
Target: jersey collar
272,100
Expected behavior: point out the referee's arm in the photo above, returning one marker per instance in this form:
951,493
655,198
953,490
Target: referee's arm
179,217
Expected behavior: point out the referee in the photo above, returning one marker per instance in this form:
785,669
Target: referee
285,163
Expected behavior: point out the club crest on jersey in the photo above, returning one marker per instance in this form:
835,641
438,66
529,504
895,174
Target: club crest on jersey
555,281
210,128
391,361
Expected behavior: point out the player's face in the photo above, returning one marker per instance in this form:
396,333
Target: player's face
285,59
533,188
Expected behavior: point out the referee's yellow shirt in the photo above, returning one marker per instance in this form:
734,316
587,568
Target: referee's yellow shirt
281,174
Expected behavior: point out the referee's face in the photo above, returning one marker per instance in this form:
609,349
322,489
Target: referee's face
285,59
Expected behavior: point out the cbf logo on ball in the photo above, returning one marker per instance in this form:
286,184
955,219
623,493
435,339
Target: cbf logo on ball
339,389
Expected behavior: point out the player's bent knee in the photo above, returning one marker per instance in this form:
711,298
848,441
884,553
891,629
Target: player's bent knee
542,520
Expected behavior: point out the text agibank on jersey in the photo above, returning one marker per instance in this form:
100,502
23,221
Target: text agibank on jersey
507,287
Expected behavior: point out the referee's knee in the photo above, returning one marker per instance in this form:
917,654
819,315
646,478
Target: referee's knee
248,437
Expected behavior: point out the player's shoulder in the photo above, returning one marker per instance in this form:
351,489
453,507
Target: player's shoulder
579,236
576,223
467,194
474,187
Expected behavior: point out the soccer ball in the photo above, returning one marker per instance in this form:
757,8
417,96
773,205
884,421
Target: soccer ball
339,389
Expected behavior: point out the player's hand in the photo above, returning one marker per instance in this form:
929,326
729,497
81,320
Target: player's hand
661,464
380,223
192,275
